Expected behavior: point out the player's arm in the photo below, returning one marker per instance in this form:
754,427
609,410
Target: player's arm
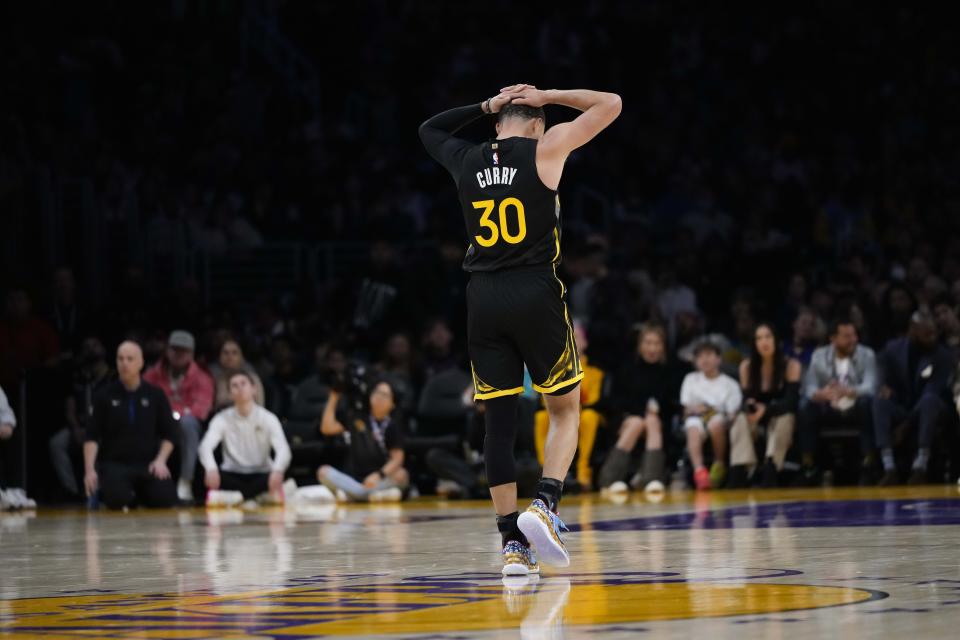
599,110
437,132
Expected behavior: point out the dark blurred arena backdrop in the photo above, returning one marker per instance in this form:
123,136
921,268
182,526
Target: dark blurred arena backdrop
252,169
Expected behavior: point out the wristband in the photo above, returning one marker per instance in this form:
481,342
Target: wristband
485,106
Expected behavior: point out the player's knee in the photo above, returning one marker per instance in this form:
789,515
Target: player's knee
323,472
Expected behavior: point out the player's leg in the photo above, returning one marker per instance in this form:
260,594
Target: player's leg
564,412
498,381
541,523
544,334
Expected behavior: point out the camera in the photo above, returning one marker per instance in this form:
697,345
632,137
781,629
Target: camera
353,383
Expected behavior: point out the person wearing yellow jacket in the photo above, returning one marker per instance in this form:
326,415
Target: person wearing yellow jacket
591,388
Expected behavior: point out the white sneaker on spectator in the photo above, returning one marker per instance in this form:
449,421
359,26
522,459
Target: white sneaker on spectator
289,491
218,498
16,498
393,494
184,491
4,501
618,487
446,488
313,494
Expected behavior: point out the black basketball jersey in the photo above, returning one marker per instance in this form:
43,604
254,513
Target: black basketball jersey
512,218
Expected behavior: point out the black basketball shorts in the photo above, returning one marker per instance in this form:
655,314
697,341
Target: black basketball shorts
516,317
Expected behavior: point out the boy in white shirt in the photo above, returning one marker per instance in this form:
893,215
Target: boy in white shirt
248,432
710,401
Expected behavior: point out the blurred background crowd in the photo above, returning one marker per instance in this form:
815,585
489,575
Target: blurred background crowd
249,173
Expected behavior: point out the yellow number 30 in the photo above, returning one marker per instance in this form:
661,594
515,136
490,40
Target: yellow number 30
502,229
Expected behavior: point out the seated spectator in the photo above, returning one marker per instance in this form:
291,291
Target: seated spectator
838,389
248,432
437,348
374,467
283,376
914,373
8,422
10,498
66,314
398,366
129,439
806,336
92,375
190,392
26,340
948,325
710,399
464,472
643,397
771,385
230,361
591,388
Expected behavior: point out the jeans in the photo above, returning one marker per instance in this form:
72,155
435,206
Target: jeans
189,444
354,489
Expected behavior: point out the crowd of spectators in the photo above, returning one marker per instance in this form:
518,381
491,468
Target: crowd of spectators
782,175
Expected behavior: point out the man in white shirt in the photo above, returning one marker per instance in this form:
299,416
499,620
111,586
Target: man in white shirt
248,432
710,400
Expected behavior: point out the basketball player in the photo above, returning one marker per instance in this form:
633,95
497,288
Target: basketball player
516,312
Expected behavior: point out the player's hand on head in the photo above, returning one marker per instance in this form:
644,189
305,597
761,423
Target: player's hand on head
514,88
530,97
499,102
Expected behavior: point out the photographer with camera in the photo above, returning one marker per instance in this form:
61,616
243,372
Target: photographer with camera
93,373
373,470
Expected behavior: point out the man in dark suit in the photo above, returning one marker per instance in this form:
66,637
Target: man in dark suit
915,373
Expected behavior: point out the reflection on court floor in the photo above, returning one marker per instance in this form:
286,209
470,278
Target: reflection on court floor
877,563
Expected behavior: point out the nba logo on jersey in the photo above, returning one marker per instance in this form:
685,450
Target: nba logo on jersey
496,158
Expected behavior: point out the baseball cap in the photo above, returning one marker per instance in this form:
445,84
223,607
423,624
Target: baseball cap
181,339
